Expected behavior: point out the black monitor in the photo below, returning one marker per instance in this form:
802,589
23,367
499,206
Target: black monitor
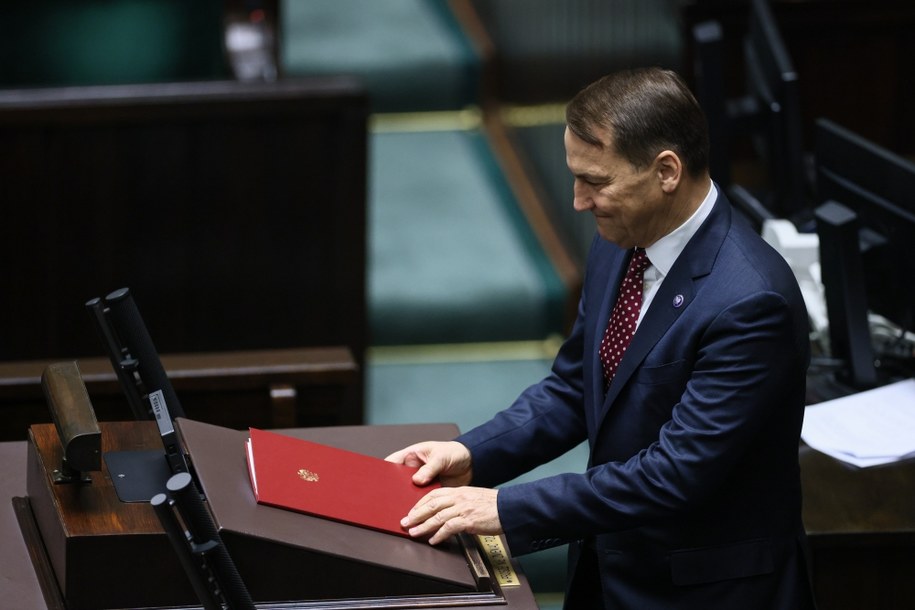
767,114
867,253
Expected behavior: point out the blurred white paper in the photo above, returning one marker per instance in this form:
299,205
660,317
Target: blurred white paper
865,429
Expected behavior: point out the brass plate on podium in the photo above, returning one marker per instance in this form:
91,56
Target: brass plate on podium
109,554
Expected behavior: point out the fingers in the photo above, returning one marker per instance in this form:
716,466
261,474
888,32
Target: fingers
408,456
445,512
435,519
422,456
447,461
426,474
429,507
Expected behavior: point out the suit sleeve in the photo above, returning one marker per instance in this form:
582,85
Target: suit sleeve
743,359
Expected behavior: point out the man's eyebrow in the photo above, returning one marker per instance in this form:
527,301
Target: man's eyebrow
589,177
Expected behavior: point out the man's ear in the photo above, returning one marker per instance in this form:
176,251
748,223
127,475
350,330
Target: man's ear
669,170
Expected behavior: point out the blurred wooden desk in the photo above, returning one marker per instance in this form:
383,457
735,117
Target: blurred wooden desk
278,388
861,527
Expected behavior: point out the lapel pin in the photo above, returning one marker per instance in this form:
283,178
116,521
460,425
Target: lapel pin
678,300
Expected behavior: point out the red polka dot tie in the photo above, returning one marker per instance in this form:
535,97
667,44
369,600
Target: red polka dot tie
624,316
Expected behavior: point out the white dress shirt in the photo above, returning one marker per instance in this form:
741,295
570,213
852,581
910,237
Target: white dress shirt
664,252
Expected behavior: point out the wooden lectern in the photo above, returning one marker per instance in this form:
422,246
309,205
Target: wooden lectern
101,553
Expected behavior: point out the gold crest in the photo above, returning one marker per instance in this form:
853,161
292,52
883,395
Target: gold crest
307,475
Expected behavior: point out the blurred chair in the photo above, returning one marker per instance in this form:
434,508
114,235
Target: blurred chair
410,55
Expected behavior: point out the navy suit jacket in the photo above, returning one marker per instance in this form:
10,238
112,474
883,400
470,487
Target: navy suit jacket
692,494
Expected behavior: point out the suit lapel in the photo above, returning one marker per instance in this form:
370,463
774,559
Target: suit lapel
674,296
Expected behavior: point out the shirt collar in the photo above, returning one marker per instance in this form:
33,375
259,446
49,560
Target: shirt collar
664,252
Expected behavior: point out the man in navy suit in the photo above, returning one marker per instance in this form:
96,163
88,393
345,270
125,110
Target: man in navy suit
692,497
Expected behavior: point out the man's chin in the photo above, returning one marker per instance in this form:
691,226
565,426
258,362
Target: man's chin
607,235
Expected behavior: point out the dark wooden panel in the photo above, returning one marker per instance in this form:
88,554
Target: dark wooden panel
234,389
96,545
861,528
235,213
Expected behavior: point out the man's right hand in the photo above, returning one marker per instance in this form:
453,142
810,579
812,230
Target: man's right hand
449,461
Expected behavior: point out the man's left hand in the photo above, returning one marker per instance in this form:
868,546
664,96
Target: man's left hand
447,511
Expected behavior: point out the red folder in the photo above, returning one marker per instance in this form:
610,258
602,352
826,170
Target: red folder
324,481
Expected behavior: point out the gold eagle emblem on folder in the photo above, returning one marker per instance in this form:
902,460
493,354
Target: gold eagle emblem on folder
307,475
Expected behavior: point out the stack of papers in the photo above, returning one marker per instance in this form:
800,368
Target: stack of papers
865,429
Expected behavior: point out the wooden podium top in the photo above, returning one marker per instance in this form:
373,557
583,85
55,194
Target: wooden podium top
271,546
218,457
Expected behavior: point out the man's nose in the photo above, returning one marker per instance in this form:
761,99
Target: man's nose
581,199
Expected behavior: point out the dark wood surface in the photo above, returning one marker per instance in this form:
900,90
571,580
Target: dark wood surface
861,529
20,581
279,388
100,548
879,500
859,522
90,511
354,561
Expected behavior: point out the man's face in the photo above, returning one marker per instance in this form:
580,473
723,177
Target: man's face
627,203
